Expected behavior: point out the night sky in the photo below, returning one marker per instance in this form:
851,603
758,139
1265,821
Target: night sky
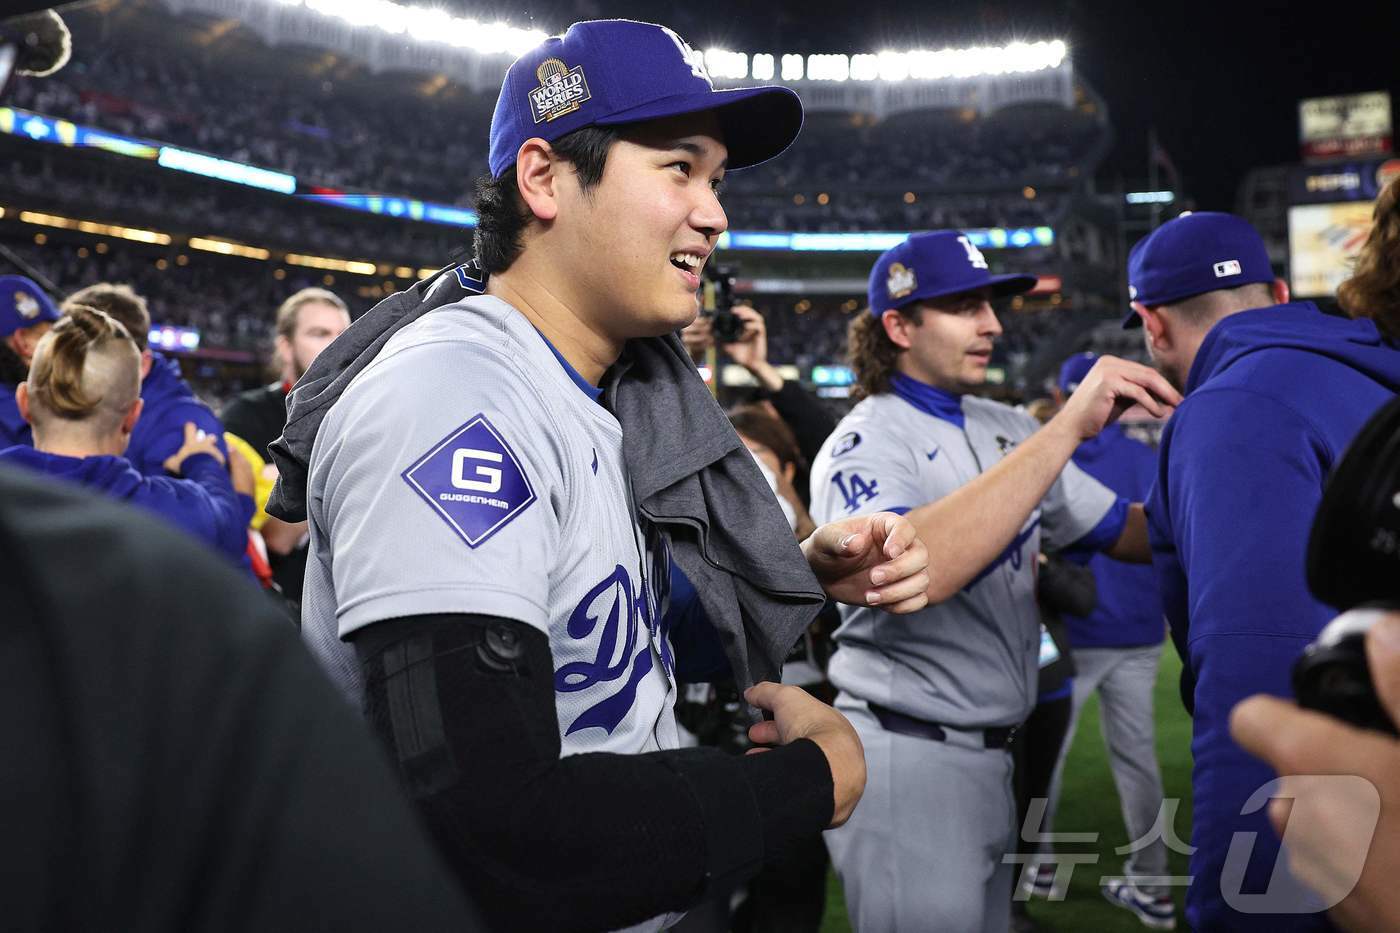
1220,81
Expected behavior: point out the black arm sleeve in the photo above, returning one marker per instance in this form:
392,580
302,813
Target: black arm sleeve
588,842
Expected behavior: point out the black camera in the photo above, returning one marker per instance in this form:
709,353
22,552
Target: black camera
1354,564
718,306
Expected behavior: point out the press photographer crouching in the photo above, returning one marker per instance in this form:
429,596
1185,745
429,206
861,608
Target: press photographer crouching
1338,805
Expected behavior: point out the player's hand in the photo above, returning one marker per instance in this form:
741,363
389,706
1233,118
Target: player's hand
1111,388
799,715
1330,822
241,472
698,336
871,560
196,442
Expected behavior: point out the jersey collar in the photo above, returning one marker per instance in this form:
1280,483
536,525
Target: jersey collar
929,399
588,388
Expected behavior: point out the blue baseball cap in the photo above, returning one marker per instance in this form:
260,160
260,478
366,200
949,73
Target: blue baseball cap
1074,369
23,304
613,71
1201,252
932,265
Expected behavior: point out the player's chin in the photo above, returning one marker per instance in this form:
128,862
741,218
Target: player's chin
678,313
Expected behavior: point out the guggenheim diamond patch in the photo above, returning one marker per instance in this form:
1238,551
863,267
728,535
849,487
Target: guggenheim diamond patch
473,480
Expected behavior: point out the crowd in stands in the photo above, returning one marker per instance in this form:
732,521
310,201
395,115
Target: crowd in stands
960,171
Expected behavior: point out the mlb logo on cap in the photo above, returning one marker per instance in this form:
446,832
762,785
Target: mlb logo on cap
1196,253
613,72
934,265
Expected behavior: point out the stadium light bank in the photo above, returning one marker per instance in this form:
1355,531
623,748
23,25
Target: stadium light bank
424,24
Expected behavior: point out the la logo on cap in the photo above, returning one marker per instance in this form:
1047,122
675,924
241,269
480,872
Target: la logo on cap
1227,268
901,280
974,255
562,89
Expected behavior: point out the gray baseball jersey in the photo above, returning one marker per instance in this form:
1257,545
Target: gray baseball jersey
465,470
969,661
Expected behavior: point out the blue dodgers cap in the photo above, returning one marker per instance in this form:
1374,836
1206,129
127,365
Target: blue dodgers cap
613,71
23,304
1074,369
1193,254
932,265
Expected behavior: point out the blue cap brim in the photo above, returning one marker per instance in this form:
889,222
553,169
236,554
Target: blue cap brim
758,122
1132,321
1001,286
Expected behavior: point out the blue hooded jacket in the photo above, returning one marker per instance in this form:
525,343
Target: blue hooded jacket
1129,610
169,404
13,429
1273,398
204,504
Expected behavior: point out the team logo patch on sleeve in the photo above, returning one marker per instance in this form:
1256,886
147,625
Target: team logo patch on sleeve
473,480
846,444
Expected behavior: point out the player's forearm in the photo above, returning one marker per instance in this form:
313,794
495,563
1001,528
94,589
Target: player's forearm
966,530
1132,545
466,704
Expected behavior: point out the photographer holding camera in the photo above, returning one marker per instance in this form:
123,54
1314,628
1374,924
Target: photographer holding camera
742,334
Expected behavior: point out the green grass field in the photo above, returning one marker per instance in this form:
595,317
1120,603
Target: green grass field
1090,804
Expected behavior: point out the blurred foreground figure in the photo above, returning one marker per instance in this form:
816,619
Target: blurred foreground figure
173,759
1328,837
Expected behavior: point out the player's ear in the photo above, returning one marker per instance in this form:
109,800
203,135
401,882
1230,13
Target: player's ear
1154,325
22,401
537,178
1280,291
897,328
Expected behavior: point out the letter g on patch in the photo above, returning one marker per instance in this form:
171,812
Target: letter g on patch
472,480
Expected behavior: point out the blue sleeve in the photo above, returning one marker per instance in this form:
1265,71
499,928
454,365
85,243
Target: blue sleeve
205,504
1243,477
698,651
169,435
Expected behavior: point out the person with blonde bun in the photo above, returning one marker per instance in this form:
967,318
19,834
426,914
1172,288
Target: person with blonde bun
82,399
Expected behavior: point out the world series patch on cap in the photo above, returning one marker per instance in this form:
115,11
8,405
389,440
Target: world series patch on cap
934,265
1193,254
615,71
23,304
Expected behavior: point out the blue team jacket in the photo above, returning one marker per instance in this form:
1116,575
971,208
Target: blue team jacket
1273,398
169,403
203,504
1129,610
13,429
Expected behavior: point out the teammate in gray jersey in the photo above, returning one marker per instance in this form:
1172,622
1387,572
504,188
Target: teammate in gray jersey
490,577
937,696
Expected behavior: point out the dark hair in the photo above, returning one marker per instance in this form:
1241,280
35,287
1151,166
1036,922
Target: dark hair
13,370
1374,287
117,301
756,423
871,352
502,217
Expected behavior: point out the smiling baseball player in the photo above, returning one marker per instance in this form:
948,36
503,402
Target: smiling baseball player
498,487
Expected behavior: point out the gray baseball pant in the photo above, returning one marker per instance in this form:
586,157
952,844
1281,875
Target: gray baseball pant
923,850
